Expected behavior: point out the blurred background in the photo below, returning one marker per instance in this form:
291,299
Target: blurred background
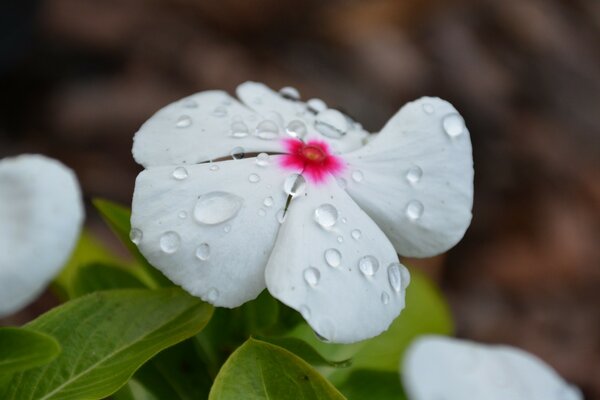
78,77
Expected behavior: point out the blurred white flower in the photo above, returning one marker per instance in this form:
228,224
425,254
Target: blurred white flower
41,213
437,367
319,221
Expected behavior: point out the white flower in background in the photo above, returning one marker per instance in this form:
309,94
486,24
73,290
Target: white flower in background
41,214
437,367
319,221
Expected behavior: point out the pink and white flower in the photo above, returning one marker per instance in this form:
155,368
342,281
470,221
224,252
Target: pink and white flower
316,211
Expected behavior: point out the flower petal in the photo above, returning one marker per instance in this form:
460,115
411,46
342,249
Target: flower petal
457,369
41,214
415,179
202,127
339,130
210,227
334,265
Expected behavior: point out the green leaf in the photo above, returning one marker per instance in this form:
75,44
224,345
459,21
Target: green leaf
22,349
306,352
373,385
133,390
118,219
259,370
106,336
95,277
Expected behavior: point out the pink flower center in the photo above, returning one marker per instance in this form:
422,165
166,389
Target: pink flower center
312,159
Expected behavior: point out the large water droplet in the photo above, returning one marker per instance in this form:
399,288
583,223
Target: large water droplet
357,176
267,129
262,160
237,153
183,121
414,174
428,108
180,173
203,252
385,298
414,210
212,295
296,129
368,265
239,129
219,112
331,123
405,275
326,215
169,242
312,276
294,185
454,125
268,202
136,235
290,93
316,105
395,276
356,234
333,257
217,207
254,178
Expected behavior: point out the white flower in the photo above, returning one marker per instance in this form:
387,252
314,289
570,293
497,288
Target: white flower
41,213
222,229
437,367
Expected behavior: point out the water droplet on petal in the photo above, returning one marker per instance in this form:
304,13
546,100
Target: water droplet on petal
356,234
214,167
414,210
227,228
180,173
333,257
331,123
296,129
190,103
254,178
357,176
340,239
405,275
395,276
344,220
316,105
281,216
261,212
203,252
428,108
342,182
305,312
312,276
217,207
182,214
294,185
368,265
212,295
237,153
326,215
169,242
183,121
267,129
136,235
268,201
262,160
239,129
414,174
385,298
290,93
219,112
454,125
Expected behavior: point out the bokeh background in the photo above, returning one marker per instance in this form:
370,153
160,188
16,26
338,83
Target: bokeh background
78,77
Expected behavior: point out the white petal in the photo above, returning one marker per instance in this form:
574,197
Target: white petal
273,105
340,300
41,213
441,367
210,230
415,179
199,128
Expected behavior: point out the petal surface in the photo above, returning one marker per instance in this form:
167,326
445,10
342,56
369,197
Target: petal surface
452,369
415,178
334,265
322,123
202,127
210,227
41,214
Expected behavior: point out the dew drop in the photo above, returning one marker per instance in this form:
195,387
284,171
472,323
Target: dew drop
414,210
203,252
333,257
385,298
217,207
180,173
316,105
237,153
312,276
182,214
219,112
268,202
214,167
294,185
344,220
296,129
405,275
356,234
281,216
414,174
357,176
326,215
368,265
254,178
428,108
190,103
262,160
239,129
261,212
136,235
331,123
340,239
227,228
305,312
395,277
267,130
343,183
454,125
169,242
290,93
212,295
183,121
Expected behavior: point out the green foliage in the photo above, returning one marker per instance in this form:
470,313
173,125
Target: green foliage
22,349
373,385
95,277
306,352
259,370
106,336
